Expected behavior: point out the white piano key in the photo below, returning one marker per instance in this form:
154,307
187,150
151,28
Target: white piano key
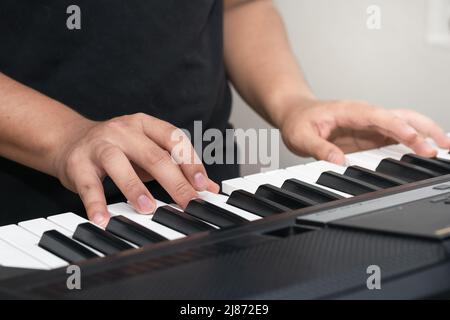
363,160
275,178
383,153
15,258
443,154
399,148
220,201
124,209
41,225
326,166
312,171
228,186
69,220
28,243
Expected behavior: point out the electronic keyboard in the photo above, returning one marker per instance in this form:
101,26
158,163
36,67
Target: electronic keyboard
307,231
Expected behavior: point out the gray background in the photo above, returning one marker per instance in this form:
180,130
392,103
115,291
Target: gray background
342,59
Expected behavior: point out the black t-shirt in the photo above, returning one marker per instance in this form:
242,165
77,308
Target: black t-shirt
164,58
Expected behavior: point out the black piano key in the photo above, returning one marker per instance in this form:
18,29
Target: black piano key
99,239
378,179
180,221
345,184
307,190
444,161
405,171
255,204
132,231
427,163
213,214
284,197
64,247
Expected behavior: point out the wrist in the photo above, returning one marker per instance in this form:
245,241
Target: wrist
283,105
71,131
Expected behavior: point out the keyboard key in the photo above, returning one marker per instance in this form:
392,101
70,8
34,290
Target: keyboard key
255,204
275,178
133,232
427,163
28,243
124,209
363,160
180,221
64,247
13,257
40,225
345,184
213,214
228,186
284,197
311,175
221,201
99,239
310,191
375,178
68,221
405,171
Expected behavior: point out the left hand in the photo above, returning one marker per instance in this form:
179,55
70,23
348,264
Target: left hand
327,130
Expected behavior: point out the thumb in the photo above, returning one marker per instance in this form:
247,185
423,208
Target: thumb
321,149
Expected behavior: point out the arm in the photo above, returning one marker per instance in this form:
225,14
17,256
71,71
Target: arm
263,69
48,136
33,125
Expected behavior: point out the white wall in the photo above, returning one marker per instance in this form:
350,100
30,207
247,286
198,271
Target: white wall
342,59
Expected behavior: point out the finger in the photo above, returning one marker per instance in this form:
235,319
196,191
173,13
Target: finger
386,123
308,140
213,187
425,126
90,189
142,174
160,165
119,169
175,141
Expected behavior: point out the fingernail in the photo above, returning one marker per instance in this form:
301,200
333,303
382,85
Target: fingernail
334,157
200,181
145,204
99,219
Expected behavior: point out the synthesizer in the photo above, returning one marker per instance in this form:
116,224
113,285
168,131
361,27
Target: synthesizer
307,231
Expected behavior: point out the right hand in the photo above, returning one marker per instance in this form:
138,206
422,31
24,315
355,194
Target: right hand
129,149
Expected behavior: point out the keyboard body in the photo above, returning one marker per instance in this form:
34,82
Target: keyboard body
283,256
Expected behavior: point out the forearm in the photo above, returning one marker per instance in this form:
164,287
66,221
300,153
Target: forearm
32,126
259,60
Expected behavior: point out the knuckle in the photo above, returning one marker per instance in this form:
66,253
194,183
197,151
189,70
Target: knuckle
139,115
411,137
85,189
74,159
379,113
133,186
107,153
183,191
115,124
94,206
157,157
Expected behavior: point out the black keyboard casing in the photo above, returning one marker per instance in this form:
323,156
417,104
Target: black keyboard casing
272,258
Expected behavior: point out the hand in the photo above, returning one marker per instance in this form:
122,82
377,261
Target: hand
128,149
325,130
